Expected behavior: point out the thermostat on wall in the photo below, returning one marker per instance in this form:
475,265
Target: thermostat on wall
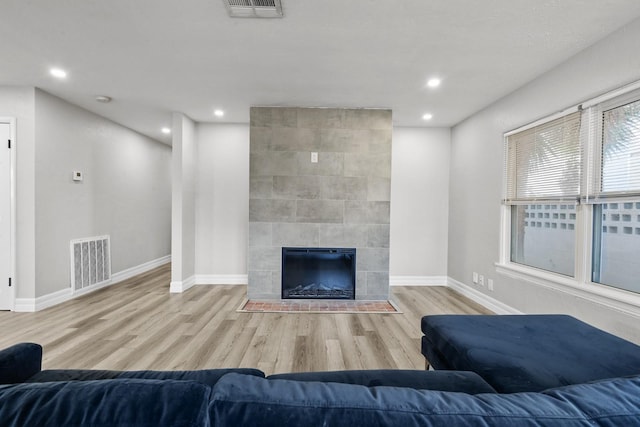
77,176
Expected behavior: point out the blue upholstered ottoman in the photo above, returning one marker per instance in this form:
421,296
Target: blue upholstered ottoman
527,352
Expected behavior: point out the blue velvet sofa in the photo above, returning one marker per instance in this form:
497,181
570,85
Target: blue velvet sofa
30,396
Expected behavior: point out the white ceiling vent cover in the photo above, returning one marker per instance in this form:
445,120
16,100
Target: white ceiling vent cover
254,8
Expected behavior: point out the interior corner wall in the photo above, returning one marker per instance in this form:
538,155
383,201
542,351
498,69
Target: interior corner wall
222,199
19,102
183,176
419,193
476,175
419,201
126,191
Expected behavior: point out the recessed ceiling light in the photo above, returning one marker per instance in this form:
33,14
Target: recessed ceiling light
59,73
103,98
434,82
166,131
218,113
427,116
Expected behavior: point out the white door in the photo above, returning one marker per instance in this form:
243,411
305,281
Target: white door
6,290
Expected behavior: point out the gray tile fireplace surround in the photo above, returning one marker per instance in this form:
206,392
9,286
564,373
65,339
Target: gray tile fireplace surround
343,200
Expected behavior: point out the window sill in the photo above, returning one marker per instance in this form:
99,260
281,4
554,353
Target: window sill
617,299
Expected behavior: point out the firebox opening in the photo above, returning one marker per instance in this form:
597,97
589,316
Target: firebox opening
318,273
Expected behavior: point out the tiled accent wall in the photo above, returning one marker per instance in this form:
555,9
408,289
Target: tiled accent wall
343,200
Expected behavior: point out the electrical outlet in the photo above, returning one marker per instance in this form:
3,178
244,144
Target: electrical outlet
314,157
481,280
475,277
490,284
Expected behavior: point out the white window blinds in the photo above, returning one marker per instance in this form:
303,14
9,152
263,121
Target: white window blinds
543,162
620,170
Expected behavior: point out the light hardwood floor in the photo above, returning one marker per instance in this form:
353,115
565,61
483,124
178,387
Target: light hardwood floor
137,324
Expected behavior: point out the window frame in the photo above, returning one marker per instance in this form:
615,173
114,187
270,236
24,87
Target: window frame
580,284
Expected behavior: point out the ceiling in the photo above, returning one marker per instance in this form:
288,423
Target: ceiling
154,57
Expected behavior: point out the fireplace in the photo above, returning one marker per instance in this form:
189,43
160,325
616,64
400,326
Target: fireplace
318,273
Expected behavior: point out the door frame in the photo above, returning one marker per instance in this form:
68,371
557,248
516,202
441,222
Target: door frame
11,121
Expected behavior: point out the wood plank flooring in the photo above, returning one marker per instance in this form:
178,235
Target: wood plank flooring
138,324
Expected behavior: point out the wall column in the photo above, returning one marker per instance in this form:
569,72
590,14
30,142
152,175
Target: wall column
183,168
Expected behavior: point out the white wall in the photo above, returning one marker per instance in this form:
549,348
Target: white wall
19,102
476,175
222,199
126,191
419,201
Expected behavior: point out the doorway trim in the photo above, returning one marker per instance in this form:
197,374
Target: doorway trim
11,121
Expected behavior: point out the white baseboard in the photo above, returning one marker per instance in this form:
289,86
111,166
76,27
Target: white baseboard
222,279
54,298
139,269
418,280
45,301
91,288
177,287
482,299
208,279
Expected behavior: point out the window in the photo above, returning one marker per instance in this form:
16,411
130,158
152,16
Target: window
579,174
616,255
544,166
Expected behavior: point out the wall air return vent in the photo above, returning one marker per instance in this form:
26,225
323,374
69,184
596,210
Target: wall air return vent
254,8
90,262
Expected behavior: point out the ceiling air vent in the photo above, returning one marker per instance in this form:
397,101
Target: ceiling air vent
254,8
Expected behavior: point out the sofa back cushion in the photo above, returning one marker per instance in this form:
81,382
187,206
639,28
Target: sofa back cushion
204,376
464,382
243,400
129,402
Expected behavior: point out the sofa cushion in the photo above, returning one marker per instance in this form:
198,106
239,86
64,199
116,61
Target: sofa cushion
243,400
129,402
610,402
205,376
19,362
51,375
464,382
529,352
